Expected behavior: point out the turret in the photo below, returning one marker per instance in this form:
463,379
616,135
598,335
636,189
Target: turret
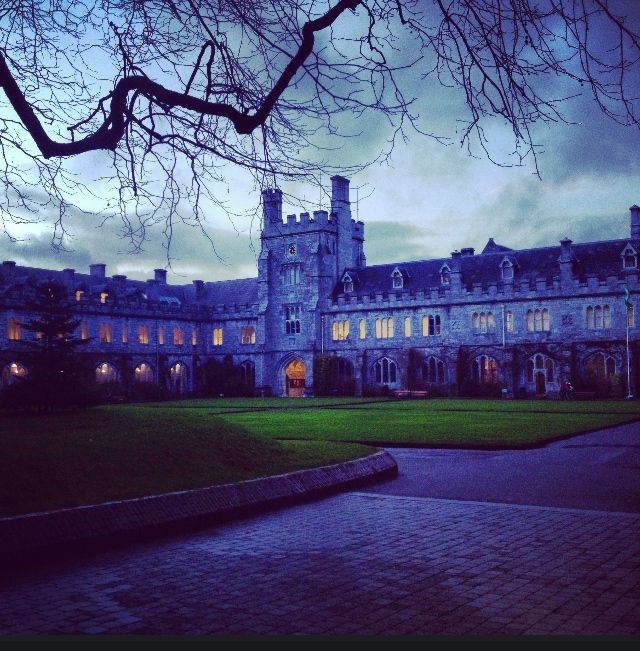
271,207
341,209
635,222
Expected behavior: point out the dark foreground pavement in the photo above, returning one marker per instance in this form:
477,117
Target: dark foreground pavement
371,562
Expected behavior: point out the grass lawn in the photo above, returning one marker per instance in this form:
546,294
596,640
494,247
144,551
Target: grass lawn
440,421
113,452
110,453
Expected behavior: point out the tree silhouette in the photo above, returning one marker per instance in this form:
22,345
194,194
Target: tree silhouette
168,86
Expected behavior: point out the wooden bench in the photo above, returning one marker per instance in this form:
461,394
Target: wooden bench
406,393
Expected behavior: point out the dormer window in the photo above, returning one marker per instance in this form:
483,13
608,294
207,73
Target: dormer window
347,283
629,257
445,275
397,279
506,268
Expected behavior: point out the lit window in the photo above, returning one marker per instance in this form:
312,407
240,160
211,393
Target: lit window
483,322
79,294
484,370
178,337
160,336
384,328
178,377
217,336
362,328
106,373
598,317
103,297
105,333
194,337
84,334
125,333
14,331
538,320
12,372
509,316
248,335
143,373
407,326
340,330
143,334
630,316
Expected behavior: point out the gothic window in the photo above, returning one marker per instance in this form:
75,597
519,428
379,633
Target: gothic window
14,331
433,371
292,274
509,319
347,282
430,325
539,371
506,267
178,336
103,297
217,336
538,320
247,335
248,374
143,334
340,330
79,294
384,328
407,326
292,319
445,275
105,333
160,336
484,370
362,328
143,373
483,322
194,337
601,367
125,333
106,373
629,257
397,279
630,316
84,333
178,377
12,372
598,317
386,371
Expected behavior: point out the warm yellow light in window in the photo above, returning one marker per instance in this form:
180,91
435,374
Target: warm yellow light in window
103,297
79,294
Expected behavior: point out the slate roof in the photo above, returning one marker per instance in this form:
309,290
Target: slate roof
599,258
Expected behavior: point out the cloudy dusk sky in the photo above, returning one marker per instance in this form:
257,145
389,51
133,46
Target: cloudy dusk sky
426,201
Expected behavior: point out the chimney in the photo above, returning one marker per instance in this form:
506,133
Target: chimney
565,260
69,278
469,250
272,206
98,271
8,270
635,222
160,276
341,210
199,287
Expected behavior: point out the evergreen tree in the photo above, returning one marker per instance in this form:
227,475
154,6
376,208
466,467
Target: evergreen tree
56,377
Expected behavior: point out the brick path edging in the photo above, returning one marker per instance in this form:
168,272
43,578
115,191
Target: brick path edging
21,534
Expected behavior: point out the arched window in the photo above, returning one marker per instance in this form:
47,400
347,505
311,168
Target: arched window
362,328
178,377
386,371
178,337
340,330
14,331
606,317
591,323
407,326
143,373
384,328
598,317
248,374
12,372
530,327
247,335
445,275
537,320
491,322
601,367
549,369
475,321
484,369
397,279
433,371
483,322
106,373
509,318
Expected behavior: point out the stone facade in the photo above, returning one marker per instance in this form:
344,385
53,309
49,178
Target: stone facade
504,321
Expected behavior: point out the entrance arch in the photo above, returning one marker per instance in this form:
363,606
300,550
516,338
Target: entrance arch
294,378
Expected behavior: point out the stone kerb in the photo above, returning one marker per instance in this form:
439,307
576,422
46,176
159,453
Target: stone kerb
24,533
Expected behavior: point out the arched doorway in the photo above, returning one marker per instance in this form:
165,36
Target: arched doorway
294,375
541,384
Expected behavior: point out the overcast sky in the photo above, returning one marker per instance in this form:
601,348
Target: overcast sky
430,200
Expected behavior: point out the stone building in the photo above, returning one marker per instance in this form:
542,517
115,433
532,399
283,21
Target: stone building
502,320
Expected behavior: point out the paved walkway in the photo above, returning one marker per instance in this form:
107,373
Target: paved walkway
356,563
